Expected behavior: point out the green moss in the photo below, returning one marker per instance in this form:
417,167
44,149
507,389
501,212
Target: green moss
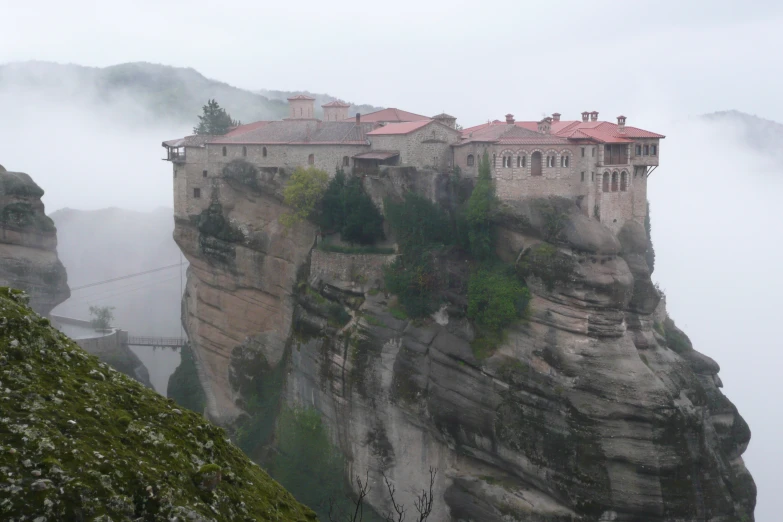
398,313
21,214
676,338
547,263
99,444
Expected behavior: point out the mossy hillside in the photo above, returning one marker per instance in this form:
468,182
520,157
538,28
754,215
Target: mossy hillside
80,441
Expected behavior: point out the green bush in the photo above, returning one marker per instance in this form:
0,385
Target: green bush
346,207
496,298
415,281
184,386
303,193
478,214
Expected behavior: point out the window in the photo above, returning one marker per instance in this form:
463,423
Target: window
583,152
196,193
263,152
224,151
311,159
564,160
244,151
204,173
470,160
653,150
504,162
623,181
550,161
592,176
524,161
346,161
583,176
593,151
535,164
606,182
646,150
615,175
519,161
638,150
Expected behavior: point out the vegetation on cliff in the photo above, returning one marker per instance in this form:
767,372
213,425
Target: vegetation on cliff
184,386
303,193
346,208
80,441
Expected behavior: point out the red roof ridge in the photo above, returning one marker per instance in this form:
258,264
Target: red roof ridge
301,97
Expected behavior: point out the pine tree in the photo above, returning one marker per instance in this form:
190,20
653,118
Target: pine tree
214,120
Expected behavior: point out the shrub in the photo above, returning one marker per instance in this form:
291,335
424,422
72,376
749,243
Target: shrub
303,193
479,213
184,386
346,207
496,298
102,317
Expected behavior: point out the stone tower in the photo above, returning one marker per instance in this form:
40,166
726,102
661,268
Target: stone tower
300,107
336,110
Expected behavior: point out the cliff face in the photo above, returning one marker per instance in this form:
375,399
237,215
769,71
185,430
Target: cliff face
595,408
28,244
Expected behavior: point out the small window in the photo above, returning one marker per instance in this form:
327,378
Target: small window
564,160
615,177
524,161
593,151
196,193
592,176
653,150
583,176
244,152
646,150
224,151
583,152
550,161
311,159
623,181
204,173
263,152
470,160
346,161
638,150
606,182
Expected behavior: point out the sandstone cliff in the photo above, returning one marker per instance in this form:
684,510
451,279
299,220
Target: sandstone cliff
28,244
595,408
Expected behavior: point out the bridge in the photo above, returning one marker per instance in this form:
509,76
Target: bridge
156,342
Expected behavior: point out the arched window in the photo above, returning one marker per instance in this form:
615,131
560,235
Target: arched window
346,161
519,161
244,151
504,161
623,181
564,161
606,182
224,151
311,159
263,152
615,177
470,160
550,161
524,161
535,164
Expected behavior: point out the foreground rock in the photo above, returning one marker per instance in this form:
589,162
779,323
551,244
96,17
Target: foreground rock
28,244
80,441
595,408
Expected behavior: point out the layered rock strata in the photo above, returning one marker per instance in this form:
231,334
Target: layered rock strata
595,408
28,244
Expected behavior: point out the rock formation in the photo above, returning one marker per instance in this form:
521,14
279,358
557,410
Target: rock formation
594,408
80,441
28,244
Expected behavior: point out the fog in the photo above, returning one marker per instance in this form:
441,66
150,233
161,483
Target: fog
715,220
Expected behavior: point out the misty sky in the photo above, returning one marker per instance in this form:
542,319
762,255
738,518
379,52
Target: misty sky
476,62
714,202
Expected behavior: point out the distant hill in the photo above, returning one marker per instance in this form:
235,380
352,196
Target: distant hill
761,134
161,92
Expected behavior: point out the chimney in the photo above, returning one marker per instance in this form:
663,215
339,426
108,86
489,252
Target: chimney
621,124
509,118
358,118
585,116
545,125
594,116
555,116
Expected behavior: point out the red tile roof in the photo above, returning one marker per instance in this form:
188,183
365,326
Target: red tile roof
297,132
599,131
336,103
300,97
391,115
399,128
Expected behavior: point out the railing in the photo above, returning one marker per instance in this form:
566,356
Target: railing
158,342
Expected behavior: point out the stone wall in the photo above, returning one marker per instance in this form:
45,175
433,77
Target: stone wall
326,157
363,269
429,146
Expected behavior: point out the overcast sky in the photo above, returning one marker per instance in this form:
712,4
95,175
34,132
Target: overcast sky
465,58
658,62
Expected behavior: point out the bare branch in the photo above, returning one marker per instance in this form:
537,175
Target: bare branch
398,508
423,503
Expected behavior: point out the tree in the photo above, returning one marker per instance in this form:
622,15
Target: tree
347,207
102,317
214,120
479,213
302,193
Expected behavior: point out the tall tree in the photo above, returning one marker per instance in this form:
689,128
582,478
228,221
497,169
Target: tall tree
479,213
214,120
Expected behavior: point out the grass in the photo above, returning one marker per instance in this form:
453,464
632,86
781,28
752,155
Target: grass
398,313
